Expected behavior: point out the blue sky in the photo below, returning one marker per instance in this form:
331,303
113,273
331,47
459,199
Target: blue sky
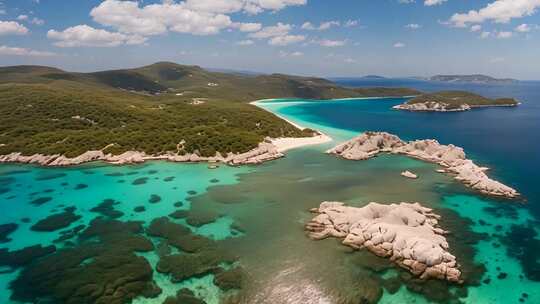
305,37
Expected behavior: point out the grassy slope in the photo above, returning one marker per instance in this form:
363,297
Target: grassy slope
139,109
457,98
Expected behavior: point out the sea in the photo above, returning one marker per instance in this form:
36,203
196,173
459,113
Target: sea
258,213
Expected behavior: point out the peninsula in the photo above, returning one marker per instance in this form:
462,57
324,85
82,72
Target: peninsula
453,101
451,158
406,233
475,78
161,111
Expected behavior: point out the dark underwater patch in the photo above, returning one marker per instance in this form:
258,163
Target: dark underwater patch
4,190
106,208
102,268
523,244
168,179
24,256
56,221
140,181
139,209
178,235
49,176
81,186
230,279
6,230
154,199
40,201
184,296
115,174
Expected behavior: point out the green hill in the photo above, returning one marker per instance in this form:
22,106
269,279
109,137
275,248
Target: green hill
457,98
151,109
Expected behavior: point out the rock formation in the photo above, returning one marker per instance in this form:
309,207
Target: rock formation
450,157
409,174
266,151
406,233
432,106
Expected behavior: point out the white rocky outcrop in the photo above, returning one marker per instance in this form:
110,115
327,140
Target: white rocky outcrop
406,233
450,157
432,106
409,174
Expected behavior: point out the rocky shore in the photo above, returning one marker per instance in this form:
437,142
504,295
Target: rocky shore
433,106
266,151
451,158
406,233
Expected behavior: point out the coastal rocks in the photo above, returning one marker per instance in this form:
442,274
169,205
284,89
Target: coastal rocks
432,106
269,149
450,157
406,233
409,174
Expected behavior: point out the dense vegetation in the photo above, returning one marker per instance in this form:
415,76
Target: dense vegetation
457,98
151,109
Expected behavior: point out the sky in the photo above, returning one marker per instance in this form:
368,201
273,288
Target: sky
330,38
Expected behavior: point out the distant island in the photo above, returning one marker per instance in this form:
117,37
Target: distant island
476,78
453,101
161,111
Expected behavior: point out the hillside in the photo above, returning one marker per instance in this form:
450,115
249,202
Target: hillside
150,109
477,78
453,101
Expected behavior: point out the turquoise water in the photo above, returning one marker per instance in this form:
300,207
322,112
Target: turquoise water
258,213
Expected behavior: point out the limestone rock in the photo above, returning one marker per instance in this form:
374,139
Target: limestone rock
432,106
453,159
406,233
409,174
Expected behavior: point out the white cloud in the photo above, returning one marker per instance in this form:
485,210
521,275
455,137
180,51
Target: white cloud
37,21
413,26
286,40
399,45
293,54
22,17
279,29
351,23
330,43
523,28
322,27
248,27
155,19
12,28
500,11
504,35
485,35
17,51
476,28
433,2
84,35
245,42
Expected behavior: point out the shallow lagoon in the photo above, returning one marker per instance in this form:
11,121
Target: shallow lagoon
261,212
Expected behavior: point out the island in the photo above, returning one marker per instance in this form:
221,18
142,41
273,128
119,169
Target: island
453,101
164,111
474,78
406,233
452,159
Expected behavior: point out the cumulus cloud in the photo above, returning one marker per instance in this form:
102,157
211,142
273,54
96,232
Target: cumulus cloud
279,29
12,28
22,17
84,35
434,2
322,27
286,40
245,42
413,26
17,51
330,43
476,28
504,35
248,27
500,11
523,28
399,45
351,23
293,54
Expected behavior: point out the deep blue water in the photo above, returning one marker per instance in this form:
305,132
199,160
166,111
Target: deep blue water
505,139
